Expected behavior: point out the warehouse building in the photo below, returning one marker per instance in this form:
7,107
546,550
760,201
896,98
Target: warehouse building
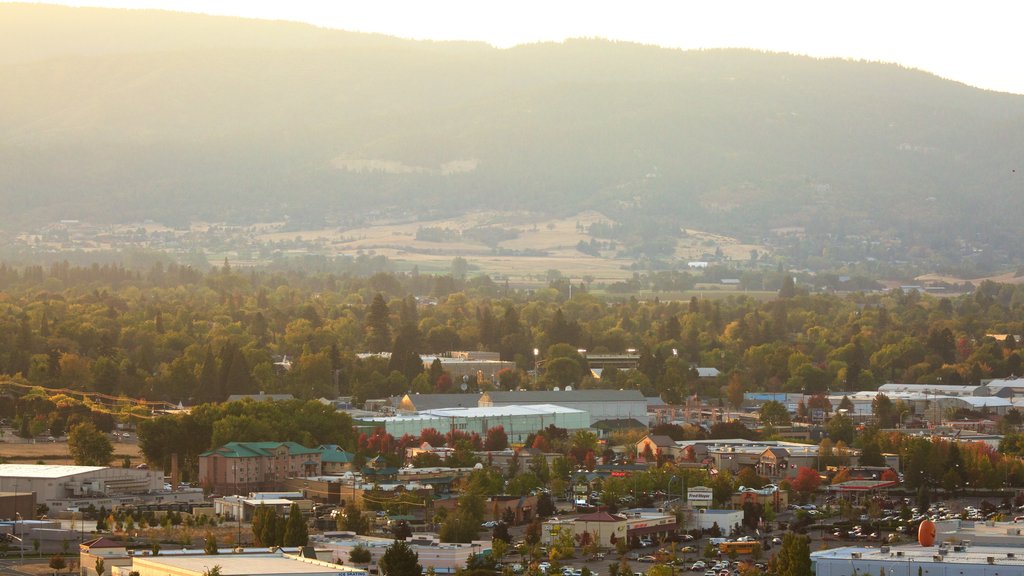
265,564
942,560
599,404
66,487
442,558
518,421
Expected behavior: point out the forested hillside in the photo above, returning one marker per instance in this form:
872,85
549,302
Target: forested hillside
126,115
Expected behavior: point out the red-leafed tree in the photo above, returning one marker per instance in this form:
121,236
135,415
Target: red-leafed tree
443,383
890,475
380,442
496,439
590,461
806,480
540,443
432,437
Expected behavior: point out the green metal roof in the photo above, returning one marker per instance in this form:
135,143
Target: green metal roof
258,449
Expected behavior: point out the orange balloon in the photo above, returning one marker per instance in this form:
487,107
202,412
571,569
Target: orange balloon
926,533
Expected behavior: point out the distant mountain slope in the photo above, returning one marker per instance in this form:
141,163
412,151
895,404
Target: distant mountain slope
114,115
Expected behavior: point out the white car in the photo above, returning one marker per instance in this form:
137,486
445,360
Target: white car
698,565
544,567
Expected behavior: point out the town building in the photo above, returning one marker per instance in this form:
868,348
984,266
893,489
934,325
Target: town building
607,529
243,507
242,467
470,365
942,560
598,404
518,421
777,499
67,487
119,560
706,519
413,403
433,554
335,460
261,397
933,389
654,446
229,564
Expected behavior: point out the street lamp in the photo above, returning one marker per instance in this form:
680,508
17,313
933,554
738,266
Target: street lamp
536,374
21,541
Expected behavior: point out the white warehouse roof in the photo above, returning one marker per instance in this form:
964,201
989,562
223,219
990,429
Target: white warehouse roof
44,470
482,412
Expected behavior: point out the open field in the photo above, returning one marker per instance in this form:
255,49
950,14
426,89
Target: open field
57,452
514,258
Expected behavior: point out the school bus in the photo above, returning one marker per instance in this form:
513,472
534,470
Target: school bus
738,547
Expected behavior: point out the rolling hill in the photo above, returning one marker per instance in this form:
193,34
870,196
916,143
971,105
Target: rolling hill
119,116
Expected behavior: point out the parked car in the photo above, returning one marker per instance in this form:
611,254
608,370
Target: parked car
489,524
646,542
776,540
648,559
698,565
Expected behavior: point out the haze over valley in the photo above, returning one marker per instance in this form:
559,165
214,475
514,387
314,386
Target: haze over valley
116,117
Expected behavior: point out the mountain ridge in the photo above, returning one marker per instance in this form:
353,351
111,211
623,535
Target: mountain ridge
734,140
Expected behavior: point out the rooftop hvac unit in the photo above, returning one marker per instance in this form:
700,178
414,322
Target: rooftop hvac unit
991,559
899,553
855,555
1011,555
959,548
937,558
884,549
943,551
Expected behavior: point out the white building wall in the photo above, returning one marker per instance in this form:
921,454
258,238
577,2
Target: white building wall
909,567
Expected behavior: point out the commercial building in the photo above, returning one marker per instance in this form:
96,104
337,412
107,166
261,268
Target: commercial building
599,404
119,560
607,529
265,564
64,487
518,421
469,365
242,467
706,519
443,558
942,560
413,403
235,507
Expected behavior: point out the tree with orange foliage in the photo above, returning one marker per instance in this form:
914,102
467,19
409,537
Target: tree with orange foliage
841,476
806,481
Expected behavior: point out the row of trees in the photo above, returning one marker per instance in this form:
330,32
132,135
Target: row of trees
200,336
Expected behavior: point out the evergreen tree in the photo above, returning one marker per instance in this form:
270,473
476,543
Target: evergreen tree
296,532
208,381
400,560
794,557
211,544
377,325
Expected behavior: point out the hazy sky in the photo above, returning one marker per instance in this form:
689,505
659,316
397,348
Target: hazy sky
979,42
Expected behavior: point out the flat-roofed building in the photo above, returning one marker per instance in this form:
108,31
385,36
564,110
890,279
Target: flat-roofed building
599,404
942,560
518,421
266,564
61,487
443,558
